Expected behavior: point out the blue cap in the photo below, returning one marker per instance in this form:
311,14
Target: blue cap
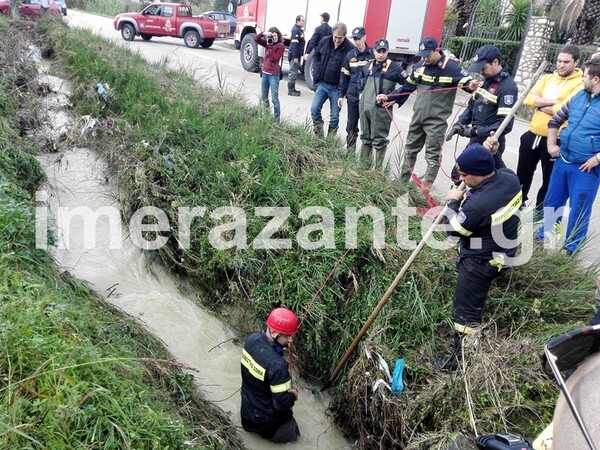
381,44
427,45
476,160
358,32
484,55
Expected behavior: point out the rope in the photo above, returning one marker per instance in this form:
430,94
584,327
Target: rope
309,307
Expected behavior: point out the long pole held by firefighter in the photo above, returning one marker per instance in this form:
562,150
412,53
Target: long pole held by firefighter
422,243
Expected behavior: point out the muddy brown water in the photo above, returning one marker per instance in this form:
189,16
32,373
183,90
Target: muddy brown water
119,272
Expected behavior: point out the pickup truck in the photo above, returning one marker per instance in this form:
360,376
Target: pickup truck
171,19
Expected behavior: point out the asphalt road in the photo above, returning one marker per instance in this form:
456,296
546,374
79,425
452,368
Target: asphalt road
220,67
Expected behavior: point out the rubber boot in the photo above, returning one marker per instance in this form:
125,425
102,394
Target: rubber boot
366,155
292,89
331,132
379,157
318,129
450,362
407,166
351,141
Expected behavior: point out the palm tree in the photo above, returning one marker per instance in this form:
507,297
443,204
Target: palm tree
464,10
581,19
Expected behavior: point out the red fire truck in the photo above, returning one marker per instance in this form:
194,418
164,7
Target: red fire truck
402,22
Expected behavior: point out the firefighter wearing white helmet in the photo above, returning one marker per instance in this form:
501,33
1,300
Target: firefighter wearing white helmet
267,392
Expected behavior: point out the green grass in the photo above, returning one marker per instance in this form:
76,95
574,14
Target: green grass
74,373
206,149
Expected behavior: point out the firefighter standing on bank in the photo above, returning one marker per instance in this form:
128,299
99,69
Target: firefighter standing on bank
355,61
267,392
484,217
491,103
379,77
433,78
295,53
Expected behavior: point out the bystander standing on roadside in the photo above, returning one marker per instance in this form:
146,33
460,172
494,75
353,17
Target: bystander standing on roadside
576,173
379,77
272,41
295,53
433,78
491,102
327,65
548,96
324,29
355,61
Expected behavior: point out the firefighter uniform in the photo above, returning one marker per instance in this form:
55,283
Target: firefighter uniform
490,104
295,51
486,222
432,108
353,65
375,120
266,401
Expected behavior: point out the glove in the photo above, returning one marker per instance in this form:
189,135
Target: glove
469,132
457,128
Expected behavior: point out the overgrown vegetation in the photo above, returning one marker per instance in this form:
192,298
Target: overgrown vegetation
74,373
174,143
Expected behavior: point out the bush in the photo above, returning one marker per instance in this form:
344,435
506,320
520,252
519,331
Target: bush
508,49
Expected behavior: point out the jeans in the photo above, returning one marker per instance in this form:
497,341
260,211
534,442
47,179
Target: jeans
271,81
323,93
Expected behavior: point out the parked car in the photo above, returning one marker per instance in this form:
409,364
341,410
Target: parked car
30,9
63,6
222,15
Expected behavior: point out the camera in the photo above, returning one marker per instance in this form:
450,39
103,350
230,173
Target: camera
269,40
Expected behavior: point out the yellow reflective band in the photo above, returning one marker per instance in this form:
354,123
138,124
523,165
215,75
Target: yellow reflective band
295,40
455,224
447,80
279,388
410,81
505,213
464,329
487,95
498,262
504,111
345,71
464,81
255,369
359,63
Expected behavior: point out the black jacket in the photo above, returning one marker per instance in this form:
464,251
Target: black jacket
488,211
328,60
266,402
354,63
490,105
320,32
297,42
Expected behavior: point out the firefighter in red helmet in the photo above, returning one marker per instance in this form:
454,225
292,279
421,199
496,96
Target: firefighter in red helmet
267,392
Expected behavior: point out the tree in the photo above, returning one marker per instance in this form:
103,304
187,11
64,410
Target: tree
464,10
580,20
516,19
586,25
